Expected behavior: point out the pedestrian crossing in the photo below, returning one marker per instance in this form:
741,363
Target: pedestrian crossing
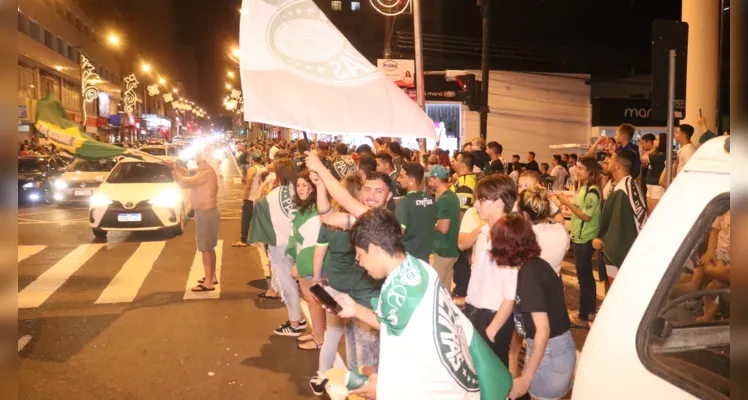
123,286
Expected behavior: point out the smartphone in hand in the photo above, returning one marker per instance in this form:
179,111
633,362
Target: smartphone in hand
325,299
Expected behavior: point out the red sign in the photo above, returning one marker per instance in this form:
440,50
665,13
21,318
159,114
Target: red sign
102,122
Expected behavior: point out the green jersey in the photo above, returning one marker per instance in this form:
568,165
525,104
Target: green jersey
417,215
589,201
447,207
341,269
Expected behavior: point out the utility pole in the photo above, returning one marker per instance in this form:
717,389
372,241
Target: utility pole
387,35
485,8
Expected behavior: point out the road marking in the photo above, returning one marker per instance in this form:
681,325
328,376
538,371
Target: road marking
23,341
47,283
25,252
197,272
126,284
305,308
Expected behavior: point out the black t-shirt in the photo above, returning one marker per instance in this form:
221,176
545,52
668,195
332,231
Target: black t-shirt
655,168
497,166
539,289
481,158
300,163
547,181
532,166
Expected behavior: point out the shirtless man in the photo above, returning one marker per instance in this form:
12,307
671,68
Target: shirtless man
204,185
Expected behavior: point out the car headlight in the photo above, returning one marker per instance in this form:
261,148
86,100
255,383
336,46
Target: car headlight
100,200
28,185
60,184
168,198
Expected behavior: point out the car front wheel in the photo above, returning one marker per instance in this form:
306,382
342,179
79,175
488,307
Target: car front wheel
99,233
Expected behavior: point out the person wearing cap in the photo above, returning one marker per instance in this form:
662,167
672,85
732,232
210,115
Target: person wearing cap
445,251
251,186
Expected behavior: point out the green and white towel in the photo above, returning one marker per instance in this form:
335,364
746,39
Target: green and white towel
271,220
303,240
428,347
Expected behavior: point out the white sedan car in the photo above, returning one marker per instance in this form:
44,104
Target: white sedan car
81,180
139,196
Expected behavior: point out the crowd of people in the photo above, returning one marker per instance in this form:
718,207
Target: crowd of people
420,249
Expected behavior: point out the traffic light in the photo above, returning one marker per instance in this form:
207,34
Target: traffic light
471,91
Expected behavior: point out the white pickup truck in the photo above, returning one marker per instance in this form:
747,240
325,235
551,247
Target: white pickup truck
645,342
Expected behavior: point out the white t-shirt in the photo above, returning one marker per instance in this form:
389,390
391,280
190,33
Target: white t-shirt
554,243
489,284
684,154
559,174
424,339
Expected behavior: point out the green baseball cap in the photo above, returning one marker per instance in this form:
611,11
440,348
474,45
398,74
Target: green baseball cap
438,171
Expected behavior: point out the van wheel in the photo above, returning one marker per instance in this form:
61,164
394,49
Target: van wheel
99,233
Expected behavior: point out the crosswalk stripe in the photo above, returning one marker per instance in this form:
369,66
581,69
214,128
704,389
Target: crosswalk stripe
47,283
126,284
197,272
25,252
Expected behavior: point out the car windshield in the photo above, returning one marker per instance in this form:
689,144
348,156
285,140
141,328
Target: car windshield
92,166
140,172
155,151
32,165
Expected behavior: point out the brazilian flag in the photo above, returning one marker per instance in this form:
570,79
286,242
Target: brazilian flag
52,120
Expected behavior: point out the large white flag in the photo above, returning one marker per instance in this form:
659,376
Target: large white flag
300,72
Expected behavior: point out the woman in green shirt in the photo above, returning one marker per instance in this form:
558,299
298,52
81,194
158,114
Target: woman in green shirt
585,224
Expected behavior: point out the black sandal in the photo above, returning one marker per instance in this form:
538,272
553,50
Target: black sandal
202,280
201,288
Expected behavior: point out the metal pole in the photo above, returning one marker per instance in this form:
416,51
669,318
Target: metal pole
670,120
485,6
419,53
83,92
387,34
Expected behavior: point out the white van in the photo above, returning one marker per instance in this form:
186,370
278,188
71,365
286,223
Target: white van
644,343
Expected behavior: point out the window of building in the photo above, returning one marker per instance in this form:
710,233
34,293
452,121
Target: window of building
62,47
71,96
26,82
355,6
71,17
23,24
87,30
35,31
79,24
336,5
49,84
684,336
71,54
49,40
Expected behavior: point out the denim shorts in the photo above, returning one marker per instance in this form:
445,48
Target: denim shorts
553,378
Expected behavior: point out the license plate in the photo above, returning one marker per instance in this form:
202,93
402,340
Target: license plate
129,217
82,192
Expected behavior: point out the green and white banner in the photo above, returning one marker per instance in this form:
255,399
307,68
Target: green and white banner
271,220
300,72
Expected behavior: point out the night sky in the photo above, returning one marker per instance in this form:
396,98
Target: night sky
609,37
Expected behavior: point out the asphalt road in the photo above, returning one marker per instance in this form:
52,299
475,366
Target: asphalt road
114,319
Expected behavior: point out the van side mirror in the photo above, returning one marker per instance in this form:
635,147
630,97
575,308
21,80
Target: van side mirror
662,328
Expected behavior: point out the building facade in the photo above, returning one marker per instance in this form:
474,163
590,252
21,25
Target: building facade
52,37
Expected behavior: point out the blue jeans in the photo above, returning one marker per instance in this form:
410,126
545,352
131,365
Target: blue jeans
587,290
553,378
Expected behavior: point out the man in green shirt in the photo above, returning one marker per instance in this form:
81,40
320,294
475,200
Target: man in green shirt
384,165
447,226
416,212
